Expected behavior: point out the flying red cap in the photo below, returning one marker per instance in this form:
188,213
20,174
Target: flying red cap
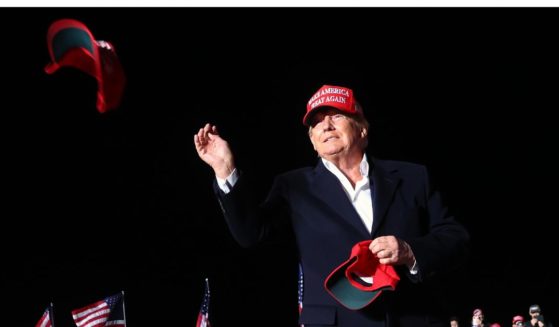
337,97
71,44
361,279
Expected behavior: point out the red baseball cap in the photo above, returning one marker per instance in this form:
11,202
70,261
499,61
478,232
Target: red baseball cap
361,279
71,44
337,97
516,319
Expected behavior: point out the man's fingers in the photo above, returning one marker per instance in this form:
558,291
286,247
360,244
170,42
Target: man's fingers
207,133
385,261
376,248
207,128
378,245
385,254
201,135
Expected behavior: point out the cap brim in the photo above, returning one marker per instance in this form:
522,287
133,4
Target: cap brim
316,109
308,115
345,293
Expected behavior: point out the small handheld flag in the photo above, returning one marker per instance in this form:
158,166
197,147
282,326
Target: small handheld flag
300,289
47,319
203,315
107,312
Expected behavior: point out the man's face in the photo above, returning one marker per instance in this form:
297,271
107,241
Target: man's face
334,134
478,316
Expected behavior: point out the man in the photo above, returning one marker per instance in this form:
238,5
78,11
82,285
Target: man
477,318
347,198
536,317
454,322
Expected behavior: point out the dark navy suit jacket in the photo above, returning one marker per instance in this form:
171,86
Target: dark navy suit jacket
326,226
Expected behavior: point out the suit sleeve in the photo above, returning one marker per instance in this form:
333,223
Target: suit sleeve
446,245
249,221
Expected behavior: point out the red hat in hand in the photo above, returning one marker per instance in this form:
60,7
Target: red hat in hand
361,279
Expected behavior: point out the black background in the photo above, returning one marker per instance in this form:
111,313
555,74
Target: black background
99,203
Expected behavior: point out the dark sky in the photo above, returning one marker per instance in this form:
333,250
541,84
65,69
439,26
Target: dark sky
99,203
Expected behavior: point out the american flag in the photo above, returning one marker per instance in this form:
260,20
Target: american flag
300,291
47,318
203,316
107,312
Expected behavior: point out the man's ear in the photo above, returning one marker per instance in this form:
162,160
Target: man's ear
310,139
312,142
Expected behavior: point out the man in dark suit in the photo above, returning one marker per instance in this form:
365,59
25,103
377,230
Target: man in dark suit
347,198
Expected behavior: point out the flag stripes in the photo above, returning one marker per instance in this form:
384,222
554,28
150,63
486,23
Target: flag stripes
46,320
102,313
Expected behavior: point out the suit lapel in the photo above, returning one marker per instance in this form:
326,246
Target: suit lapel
384,185
328,188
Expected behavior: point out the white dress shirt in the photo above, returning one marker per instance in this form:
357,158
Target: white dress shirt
360,196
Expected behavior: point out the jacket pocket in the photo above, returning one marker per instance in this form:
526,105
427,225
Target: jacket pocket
318,315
